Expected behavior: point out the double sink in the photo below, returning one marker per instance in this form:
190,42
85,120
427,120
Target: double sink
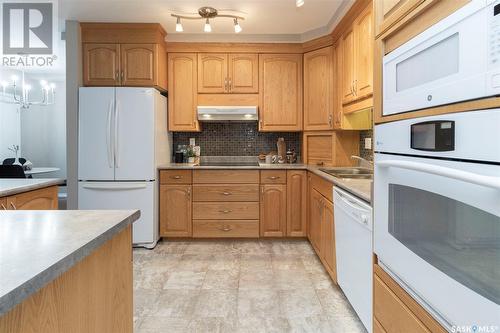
349,172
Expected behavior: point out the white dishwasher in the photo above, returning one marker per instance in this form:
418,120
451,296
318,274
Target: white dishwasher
353,240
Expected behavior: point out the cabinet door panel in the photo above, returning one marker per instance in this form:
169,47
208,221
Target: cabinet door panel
314,221
318,89
212,73
348,52
243,73
182,88
296,203
363,82
273,211
138,64
280,86
175,211
3,204
328,239
42,199
101,64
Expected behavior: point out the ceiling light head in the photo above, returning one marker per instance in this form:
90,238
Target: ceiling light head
208,27
299,3
178,25
237,27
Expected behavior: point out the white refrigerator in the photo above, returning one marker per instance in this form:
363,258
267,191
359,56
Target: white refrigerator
122,139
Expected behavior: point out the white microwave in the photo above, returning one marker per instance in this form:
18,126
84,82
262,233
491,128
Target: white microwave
455,60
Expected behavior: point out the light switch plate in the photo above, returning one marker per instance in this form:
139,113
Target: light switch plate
368,143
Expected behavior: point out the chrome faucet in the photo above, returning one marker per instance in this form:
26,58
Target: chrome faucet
362,163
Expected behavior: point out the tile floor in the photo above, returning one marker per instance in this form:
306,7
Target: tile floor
237,286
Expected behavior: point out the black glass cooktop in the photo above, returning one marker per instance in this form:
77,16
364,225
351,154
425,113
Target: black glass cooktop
229,164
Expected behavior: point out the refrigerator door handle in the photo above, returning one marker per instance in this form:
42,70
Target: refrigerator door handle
116,143
109,139
114,187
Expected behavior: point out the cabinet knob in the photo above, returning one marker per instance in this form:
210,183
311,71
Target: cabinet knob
225,211
176,177
226,193
273,177
225,228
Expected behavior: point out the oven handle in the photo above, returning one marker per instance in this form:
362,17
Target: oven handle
469,177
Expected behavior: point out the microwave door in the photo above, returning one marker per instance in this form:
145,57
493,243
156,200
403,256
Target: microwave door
437,227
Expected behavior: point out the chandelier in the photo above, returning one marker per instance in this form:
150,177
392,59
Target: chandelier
207,13
21,92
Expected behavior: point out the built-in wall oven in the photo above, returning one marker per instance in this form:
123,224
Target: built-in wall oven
437,214
454,60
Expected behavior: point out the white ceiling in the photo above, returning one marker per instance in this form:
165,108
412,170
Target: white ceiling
265,20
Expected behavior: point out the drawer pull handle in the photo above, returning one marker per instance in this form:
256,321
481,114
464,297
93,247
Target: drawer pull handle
3,207
226,228
225,211
176,177
13,206
273,177
226,193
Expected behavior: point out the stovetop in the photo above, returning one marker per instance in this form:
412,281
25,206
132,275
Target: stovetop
228,163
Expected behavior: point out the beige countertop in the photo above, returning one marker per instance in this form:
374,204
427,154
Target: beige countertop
13,186
361,188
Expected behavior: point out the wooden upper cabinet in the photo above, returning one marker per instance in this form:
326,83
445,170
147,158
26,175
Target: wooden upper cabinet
138,63
273,210
101,64
318,89
212,73
124,54
337,86
243,73
182,88
389,12
363,28
348,61
228,73
357,63
280,86
175,222
296,203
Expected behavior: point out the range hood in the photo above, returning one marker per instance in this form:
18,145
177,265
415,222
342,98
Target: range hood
227,113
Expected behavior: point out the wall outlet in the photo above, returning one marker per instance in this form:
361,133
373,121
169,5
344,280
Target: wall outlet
368,143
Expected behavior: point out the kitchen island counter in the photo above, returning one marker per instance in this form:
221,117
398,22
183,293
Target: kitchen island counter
65,255
14,186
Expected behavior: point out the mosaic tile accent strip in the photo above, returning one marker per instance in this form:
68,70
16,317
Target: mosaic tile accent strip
236,139
365,153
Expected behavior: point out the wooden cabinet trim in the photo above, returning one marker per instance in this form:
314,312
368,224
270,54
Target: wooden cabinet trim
296,196
225,210
225,228
226,176
226,192
273,177
176,176
141,70
212,73
39,199
101,64
273,210
241,78
176,222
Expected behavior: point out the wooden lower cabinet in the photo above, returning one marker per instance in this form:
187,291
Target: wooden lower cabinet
321,224
395,311
273,210
175,211
225,228
314,226
296,200
328,239
41,199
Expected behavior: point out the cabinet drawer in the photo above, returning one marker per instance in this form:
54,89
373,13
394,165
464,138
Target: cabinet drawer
273,177
322,186
226,176
226,193
226,210
391,313
175,177
225,228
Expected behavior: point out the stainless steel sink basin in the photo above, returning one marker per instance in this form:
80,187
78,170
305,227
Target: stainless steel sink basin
348,172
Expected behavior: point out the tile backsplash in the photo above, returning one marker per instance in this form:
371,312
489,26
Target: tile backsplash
365,153
236,139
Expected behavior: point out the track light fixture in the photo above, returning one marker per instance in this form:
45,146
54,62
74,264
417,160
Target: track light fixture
299,3
207,13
